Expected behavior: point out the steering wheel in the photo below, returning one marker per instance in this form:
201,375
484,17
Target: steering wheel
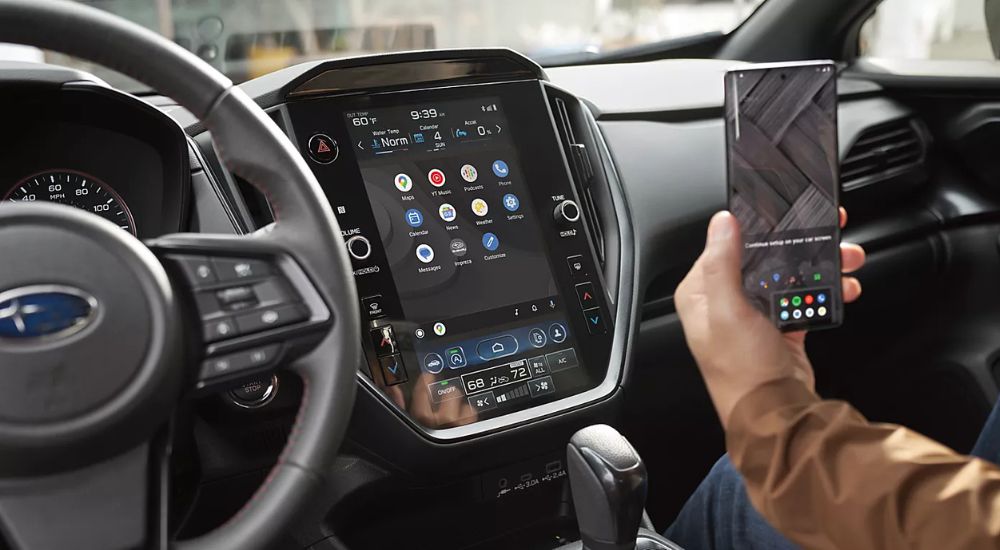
100,336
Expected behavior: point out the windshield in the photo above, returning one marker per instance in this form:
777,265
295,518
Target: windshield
248,38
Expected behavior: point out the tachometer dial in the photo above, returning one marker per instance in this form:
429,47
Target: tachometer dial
74,189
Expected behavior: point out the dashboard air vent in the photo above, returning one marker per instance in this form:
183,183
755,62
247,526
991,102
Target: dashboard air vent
581,167
883,152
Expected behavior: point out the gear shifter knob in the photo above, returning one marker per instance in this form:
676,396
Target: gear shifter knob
608,481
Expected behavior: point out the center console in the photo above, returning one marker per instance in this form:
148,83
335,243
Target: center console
480,285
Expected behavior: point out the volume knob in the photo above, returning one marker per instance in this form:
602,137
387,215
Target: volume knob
567,212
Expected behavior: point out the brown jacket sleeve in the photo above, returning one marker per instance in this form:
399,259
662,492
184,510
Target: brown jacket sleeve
827,478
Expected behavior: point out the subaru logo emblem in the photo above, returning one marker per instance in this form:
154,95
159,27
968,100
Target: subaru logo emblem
44,311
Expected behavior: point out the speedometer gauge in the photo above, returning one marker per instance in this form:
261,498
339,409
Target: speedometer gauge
74,189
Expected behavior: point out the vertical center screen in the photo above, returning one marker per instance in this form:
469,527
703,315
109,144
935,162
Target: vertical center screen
452,207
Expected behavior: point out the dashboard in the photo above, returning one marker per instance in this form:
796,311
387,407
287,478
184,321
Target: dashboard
516,236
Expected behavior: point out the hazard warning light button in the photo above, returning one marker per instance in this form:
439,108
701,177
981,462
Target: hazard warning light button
323,149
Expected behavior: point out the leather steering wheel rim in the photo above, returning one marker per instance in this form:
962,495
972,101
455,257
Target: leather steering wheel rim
252,146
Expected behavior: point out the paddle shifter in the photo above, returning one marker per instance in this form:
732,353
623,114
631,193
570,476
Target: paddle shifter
608,481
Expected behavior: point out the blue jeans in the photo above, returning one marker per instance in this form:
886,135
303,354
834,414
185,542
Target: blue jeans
719,515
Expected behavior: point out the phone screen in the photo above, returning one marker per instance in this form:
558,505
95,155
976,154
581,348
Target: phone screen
783,173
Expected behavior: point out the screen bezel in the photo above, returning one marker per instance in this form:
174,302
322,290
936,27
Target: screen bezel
837,308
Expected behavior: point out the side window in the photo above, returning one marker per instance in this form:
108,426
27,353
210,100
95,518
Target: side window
928,29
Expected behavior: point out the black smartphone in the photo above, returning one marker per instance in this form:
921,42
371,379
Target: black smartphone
784,188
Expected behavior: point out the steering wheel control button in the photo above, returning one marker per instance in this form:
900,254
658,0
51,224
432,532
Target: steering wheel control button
567,212
588,297
446,390
576,265
359,247
263,319
483,402
255,393
557,333
220,329
384,341
323,149
237,297
537,366
541,386
562,360
595,320
198,270
372,307
495,348
393,370
237,269
252,359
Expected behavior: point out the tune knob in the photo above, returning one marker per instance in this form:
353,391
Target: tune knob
359,247
567,212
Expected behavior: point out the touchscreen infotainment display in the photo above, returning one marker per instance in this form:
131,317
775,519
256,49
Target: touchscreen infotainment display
479,289
452,206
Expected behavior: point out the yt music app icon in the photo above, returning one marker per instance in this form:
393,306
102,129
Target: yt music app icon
436,177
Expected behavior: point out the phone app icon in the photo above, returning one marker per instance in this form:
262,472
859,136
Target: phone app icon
797,314
440,329
469,173
404,183
500,169
436,177
414,218
491,242
511,202
821,311
480,208
458,247
425,253
784,315
447,212
784,302
796,301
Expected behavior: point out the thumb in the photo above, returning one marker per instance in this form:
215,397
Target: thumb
722,258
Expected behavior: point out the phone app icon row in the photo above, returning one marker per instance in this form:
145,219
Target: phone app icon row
808,300
425,252
448,213
437,177
809,313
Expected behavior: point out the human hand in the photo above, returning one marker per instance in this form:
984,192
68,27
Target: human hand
736,347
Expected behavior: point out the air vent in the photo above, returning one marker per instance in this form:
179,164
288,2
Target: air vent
581,166
883,152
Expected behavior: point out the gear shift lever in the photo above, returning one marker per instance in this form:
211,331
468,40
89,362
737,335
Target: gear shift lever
608,481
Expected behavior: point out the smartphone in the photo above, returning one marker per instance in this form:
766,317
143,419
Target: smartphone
784,188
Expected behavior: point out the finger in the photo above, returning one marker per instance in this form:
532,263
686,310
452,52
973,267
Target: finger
843,217
852,257
851,289
720,263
